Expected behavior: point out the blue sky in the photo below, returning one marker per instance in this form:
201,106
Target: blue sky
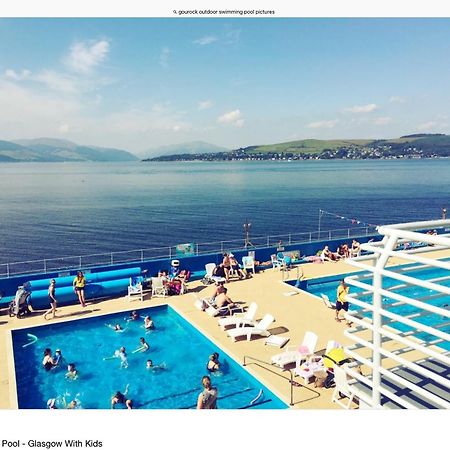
142,83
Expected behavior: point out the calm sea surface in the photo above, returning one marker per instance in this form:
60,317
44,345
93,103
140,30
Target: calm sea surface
64,209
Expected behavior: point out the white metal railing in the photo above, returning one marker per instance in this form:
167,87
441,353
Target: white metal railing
393,352
145,254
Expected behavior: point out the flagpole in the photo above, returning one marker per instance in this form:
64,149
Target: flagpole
320,217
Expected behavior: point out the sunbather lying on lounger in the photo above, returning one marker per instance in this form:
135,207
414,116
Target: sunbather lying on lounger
222,300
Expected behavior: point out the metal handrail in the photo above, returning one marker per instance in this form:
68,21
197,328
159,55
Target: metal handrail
292,383
84,261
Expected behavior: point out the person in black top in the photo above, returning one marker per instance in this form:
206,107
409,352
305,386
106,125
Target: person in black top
51,299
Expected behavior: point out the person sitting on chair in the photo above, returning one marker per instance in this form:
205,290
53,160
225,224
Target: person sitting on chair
222,301
235,266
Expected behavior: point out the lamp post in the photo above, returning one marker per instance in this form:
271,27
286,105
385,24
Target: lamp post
247,243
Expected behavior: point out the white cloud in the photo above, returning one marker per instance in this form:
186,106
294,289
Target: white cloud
205,104
85,56
382,120
164,57
323,124
362,109
205,40
427,126
233,118
13,75
397,99
57,81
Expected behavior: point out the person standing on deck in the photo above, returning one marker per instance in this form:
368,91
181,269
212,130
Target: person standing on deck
51,299
79,283
341,301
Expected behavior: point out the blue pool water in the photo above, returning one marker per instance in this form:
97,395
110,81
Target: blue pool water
329,286
174,343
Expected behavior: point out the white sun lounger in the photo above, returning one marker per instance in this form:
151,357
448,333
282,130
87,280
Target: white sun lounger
260,329
326,301
240,319
292,354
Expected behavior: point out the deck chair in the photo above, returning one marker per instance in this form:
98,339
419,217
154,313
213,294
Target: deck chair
248,263
293,355
159,289
326,301
343,388
331,344
209,277
240,319
276,264
260,329
135,288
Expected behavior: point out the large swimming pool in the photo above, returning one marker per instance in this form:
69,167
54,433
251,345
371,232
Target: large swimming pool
328,286
174,343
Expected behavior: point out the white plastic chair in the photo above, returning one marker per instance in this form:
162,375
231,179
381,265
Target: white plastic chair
248,263
159,289
246,319
326,301
342,388
260,329
135,289
275,262
209,268
296,354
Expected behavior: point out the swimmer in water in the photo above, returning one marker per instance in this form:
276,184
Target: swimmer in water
148,323
213,365
150,366
72,372
117,327
134,315
48,363
58,358
121,399
143,346
122,355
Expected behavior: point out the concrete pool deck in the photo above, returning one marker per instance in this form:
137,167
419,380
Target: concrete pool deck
294,314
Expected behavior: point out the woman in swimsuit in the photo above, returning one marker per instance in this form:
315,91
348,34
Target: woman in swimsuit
148,323
213,364
48,363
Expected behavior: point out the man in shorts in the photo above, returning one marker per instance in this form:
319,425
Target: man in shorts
341,301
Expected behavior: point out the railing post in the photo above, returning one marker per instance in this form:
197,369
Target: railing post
329,235
112,258
348,232
310,237
292,389
268,241
221,246
170,252
142,255
196,249
7,270
79,262
45,266
290,240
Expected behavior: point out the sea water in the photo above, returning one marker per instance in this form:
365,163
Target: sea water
68,209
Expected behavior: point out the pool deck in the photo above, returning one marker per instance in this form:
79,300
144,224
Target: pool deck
294,315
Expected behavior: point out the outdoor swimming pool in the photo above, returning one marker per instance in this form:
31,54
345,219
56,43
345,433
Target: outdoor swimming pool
328,286
174,343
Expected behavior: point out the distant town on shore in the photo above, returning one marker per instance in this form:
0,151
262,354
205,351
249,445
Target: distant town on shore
409,146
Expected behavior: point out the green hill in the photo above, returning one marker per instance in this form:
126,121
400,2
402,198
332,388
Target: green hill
309,146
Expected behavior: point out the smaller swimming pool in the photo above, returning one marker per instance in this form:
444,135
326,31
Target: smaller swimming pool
175,345
328,286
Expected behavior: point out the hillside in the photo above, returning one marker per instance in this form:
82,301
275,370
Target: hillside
55,150
409,146
186,148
